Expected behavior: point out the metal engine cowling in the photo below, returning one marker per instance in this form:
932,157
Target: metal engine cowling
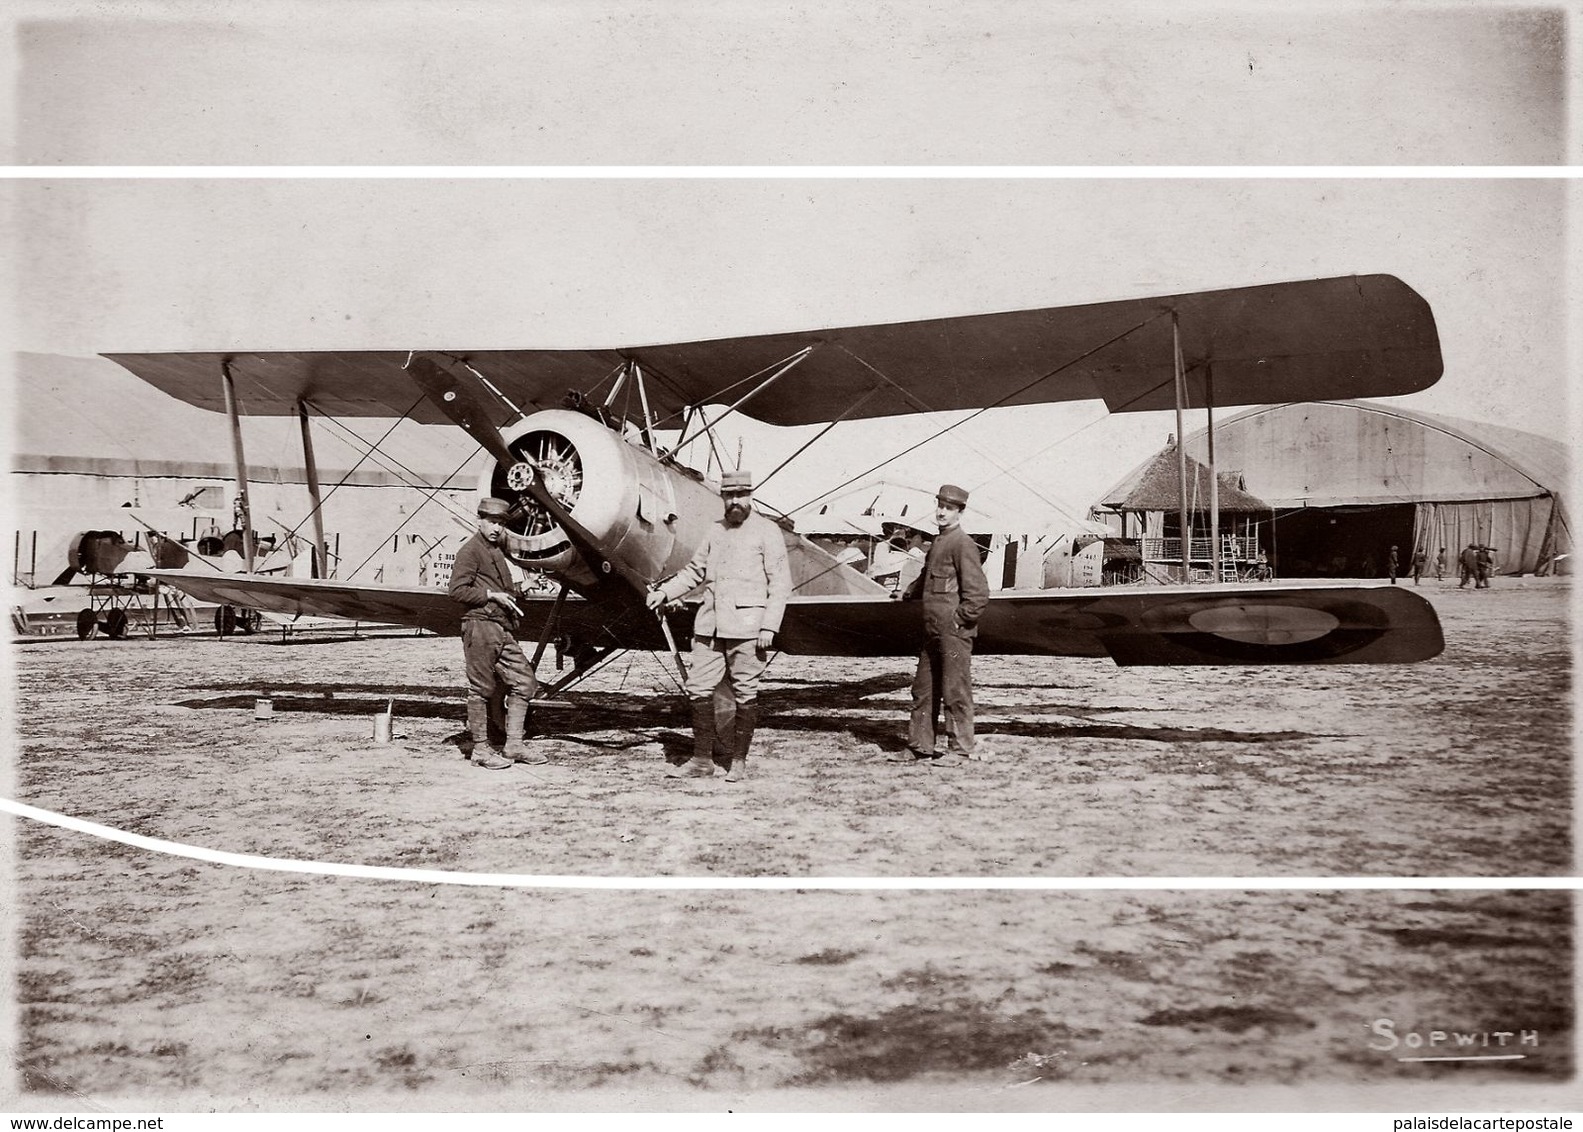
647,515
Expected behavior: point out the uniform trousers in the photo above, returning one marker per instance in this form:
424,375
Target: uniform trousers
944,679
492,656
716,658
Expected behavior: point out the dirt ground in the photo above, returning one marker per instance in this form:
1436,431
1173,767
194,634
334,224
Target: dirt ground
144,975
1458,766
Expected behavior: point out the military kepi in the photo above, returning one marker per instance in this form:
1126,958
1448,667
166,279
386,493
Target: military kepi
950,493
736,481
492,508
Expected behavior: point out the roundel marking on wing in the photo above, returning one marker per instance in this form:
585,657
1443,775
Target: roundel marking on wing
1265,624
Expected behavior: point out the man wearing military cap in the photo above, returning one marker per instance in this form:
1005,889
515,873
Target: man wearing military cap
746,581
955,594
481,580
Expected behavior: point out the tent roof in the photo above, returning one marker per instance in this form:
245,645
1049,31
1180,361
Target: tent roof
1452,459
1545,461
1155,487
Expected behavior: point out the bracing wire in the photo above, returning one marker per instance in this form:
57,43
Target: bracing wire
979,412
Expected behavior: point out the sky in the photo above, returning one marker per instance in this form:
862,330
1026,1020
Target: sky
203,263
113,265
814,82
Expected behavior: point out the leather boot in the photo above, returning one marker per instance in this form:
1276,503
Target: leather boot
702,764
478,724
747,722
516,731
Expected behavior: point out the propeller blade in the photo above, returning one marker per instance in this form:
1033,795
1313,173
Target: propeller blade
582,538
452,390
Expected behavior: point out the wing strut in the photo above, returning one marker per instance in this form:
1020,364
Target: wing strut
782,368
978,412
321,558
229,388
551,623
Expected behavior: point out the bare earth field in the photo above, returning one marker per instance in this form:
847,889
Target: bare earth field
1458,766
156,980
146,977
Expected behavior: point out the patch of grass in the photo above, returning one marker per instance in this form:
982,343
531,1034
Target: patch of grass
1234,1019
1060,970
925,978
1122,964
719,1060
1527,910
174,974
1456,937
957,1036
403,1063
43,986
829,957
362,996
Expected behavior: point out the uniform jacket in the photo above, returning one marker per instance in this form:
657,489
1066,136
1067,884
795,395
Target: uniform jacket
1468,559
745,576
952,585
481,567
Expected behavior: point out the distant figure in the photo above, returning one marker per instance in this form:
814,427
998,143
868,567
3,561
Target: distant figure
1484,567
1420,556
1261,568
1468,563
1392,565
1440,565
917,552
889,557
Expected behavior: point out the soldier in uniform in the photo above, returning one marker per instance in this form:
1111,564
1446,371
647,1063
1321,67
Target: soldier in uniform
955,594
1467,561
481,581
746,581
1484,567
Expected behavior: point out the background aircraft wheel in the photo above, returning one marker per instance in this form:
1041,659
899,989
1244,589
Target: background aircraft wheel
249,620
87,625
225,620
115,624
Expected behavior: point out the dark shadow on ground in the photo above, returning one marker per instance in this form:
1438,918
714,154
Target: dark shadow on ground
582,713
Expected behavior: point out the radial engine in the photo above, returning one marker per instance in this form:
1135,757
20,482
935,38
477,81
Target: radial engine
648,515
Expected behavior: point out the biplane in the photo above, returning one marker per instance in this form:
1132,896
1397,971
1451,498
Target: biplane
604,506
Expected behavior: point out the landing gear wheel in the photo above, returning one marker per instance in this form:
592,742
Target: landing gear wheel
249,621
115,623
87,625
225,620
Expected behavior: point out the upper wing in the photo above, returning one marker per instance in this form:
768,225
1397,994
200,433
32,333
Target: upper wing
1316,339
1159,625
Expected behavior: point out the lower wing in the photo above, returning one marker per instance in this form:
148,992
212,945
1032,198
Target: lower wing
1162,625
1136,626
417,607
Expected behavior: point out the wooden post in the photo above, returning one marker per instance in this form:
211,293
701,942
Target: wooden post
1214,479
1181,450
